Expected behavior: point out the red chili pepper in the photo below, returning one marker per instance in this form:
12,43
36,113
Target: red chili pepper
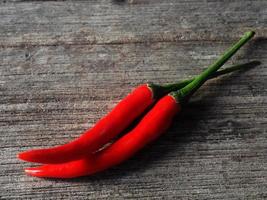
150,127
107,128
112,124
157,120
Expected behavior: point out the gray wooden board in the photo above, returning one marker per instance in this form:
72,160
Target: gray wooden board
65,64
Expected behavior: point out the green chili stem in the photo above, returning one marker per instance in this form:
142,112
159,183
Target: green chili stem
176,86
186,92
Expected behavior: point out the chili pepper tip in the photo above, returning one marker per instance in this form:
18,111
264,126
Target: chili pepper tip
22,156
19,155
32,171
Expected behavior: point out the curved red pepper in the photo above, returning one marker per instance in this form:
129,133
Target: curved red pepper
122,115
157,120
104,130
111,125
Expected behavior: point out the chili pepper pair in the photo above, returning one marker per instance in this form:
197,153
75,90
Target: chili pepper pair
86,155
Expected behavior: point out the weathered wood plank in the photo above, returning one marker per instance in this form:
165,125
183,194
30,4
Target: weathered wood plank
57,92
87,55
94,22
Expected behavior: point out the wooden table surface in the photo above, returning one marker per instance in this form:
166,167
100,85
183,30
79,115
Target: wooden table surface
65,64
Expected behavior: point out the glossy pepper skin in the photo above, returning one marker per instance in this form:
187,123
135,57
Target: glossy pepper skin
156,121
104,130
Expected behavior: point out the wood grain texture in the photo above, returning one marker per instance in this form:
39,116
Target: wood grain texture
65,64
